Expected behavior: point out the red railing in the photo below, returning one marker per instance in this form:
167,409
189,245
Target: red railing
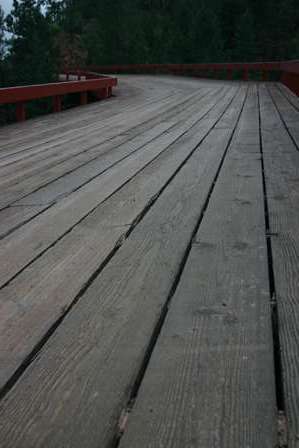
287,71
83,83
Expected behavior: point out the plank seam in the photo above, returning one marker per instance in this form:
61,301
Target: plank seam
123,421
282,119
170,111
8,232
51,204
89,125
4,285
278,86
38,347
98,130
278,372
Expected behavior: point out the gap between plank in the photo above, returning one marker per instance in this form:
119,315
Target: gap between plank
282,91
118,188
38,347
279,386
170,111
282,119
123,421
13,204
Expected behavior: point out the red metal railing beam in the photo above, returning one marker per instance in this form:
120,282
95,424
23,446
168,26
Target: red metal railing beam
101,85
27,93
287,71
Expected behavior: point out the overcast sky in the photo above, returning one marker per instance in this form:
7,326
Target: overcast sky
6,5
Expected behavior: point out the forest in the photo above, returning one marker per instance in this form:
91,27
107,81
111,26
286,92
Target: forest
40,37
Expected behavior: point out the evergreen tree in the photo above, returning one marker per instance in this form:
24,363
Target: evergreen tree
245,42
48,35
3,63
2,34
31,47
207,39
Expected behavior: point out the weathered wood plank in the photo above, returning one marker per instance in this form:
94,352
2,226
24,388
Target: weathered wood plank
154,101
101,160
281,160
40,130
33,238
289,115
107,127
131,91
45,286
210,380
47,186
12,216
85,144
94,160
291,96
83,376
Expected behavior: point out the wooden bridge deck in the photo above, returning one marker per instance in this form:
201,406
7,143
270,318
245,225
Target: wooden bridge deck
149,270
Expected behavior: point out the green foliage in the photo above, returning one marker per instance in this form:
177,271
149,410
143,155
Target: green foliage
245,41
2,34
48,35
31,46
4,66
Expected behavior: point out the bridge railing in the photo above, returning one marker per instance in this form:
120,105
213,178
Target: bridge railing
80,82
285,71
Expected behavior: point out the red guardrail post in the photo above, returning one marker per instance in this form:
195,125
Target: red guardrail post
20,112
264,75
245,74
83,98
19,95
102,93
57,103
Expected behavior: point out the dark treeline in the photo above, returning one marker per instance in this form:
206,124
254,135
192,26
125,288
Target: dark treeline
39,37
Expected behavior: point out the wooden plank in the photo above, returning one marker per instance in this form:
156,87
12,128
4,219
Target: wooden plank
291,96
106,126
281,160
83,377
32,239
288,114
47,186
132,91
98,164
41,129
12,216
210,380
155,102
54,169
45,286
94,161
83,151
88,142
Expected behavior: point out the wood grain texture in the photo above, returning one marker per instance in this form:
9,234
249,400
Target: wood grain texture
282,181
89,365
111,153
149,99
288,113
116,128
45,285
101,204
292,97
57,160
32,239
210,380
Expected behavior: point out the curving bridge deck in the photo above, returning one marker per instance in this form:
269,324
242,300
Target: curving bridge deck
149,270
